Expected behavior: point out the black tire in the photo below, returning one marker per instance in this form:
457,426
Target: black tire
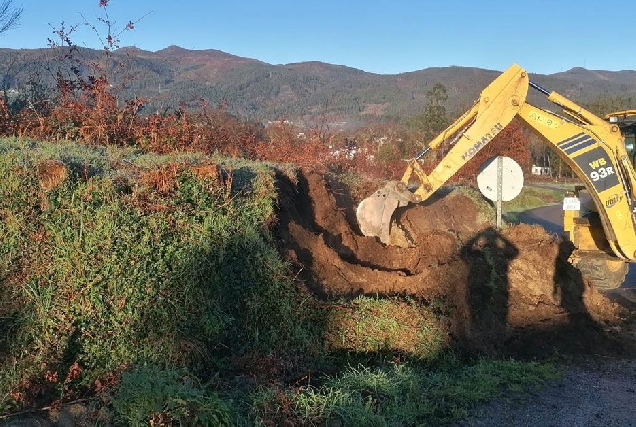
604,273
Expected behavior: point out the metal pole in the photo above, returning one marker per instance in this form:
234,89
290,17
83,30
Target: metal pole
540,89
499,188
421,153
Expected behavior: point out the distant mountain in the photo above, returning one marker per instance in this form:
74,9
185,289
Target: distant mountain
307,92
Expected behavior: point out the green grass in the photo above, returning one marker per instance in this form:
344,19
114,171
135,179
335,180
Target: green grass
532,197
400,393
370,325
172,303
152,393
106,272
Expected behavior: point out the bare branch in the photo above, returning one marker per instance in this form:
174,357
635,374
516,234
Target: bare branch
9,15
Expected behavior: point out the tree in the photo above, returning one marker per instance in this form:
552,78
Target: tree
609,103
9,15
511,142
435,113
433,119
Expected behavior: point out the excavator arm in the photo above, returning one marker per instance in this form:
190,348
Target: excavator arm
495,108
591,146
498,104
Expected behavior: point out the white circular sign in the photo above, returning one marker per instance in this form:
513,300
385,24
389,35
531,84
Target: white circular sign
500,174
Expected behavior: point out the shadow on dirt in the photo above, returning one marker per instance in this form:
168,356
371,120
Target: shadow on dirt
488,256
588,322
508,292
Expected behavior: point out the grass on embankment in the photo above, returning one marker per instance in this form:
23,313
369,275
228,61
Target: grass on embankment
149,289
532,197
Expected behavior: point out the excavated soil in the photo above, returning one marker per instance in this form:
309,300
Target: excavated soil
508,292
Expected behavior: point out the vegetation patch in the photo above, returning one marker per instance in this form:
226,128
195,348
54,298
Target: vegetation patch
371,325
531,197
150,289
111,269
399,393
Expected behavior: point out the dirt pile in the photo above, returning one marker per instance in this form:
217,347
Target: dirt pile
509,291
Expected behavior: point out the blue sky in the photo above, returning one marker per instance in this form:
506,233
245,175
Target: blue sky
379,36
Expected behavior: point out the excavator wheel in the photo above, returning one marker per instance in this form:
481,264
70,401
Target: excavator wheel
604,273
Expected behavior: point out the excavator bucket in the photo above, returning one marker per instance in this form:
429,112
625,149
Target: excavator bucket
376,211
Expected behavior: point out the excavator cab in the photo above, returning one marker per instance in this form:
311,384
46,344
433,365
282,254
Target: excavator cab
626,122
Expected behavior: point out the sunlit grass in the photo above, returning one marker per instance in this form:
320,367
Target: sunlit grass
370,324
402,393
531,197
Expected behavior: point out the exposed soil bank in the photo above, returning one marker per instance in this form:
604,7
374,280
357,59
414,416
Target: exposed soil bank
510,291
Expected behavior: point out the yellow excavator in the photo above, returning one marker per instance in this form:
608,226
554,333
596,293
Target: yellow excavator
600,151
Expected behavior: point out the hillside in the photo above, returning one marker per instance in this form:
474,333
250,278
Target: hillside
308,93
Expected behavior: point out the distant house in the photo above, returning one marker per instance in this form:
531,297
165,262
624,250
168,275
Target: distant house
541,170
